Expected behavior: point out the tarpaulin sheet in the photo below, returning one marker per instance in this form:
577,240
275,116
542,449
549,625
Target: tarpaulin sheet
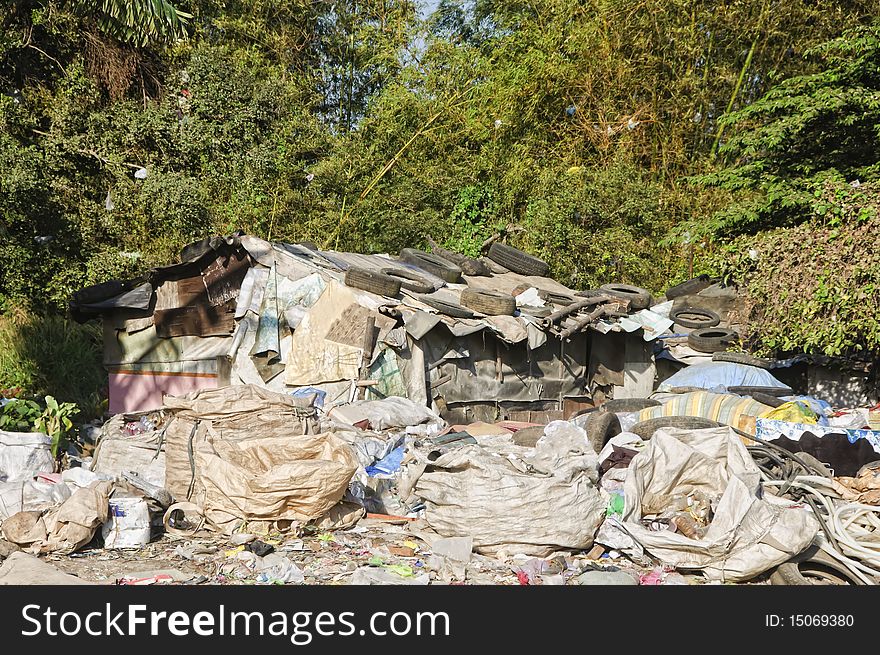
718,376
550,372
515,499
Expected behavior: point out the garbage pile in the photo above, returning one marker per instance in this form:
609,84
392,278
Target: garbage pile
725,474
241,485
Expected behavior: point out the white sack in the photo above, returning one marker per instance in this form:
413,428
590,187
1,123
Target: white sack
119,452
29,495
748,535
510,501
24,454
393,412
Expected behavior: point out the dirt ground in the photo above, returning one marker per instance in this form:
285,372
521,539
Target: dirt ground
395,551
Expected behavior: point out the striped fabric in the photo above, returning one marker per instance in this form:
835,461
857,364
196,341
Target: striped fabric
721,407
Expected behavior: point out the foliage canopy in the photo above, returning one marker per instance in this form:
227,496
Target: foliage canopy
128,129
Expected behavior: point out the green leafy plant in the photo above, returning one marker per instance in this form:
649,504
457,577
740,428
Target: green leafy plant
49,355
814,287
19,415
55,422
807,129
138,22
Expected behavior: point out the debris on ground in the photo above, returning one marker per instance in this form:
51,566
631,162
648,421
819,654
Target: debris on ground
439,426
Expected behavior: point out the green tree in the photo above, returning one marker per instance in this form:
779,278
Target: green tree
139,22
807,129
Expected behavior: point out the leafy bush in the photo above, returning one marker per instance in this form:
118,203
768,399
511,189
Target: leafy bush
473,219
598,227
815,287
50,355
19,415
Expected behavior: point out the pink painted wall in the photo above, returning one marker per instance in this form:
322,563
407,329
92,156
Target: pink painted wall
142,391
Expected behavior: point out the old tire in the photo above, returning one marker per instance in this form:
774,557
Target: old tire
812,567
491,303
624,405
431,263
517,260
372,281
554,298
711,339
693,317
447,308
646,429
409,280
688,288
766,399
742,358
638,298
770,391
600,427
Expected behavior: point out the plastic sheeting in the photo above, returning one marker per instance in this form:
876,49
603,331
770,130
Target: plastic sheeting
718,376
313,358
394,412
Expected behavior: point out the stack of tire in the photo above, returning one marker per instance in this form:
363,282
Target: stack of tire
473,301
705,335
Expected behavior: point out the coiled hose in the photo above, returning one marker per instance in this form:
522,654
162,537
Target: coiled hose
852,529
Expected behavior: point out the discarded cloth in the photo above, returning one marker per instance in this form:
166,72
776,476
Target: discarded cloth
721,407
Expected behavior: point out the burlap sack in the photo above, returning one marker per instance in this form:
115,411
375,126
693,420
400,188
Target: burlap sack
244,453
233,413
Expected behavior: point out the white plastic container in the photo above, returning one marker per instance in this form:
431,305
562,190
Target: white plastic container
128,525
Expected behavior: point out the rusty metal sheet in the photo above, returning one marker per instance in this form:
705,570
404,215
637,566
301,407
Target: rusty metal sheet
199,319
223,277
